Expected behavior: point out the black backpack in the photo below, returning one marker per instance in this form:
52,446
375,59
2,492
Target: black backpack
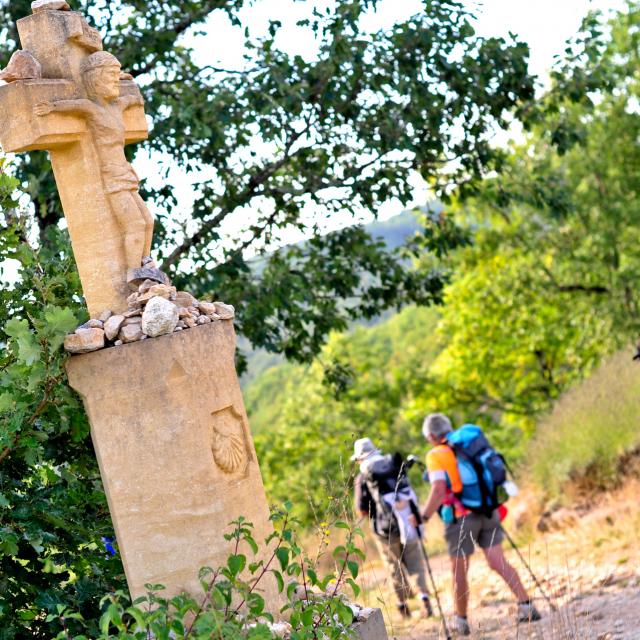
384,476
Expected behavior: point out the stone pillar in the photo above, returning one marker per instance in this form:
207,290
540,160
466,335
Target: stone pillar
370,626
175,452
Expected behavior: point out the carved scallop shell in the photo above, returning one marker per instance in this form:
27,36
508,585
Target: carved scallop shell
228,451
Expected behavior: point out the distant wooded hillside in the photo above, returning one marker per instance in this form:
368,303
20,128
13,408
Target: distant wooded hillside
393,231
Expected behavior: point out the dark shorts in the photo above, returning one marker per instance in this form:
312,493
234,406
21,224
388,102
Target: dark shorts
463,535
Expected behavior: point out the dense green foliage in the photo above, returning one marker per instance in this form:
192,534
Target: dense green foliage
52,507
550,285
338,129
394,232
230,606
547,288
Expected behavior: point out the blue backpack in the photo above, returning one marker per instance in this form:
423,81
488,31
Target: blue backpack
482,469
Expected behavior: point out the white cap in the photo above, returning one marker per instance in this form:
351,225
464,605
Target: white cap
49,5
362,449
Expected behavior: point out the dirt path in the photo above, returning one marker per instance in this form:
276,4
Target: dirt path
590,569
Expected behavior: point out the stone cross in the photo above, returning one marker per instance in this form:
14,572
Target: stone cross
176,454
81,109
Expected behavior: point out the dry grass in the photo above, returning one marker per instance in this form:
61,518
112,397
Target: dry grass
594,426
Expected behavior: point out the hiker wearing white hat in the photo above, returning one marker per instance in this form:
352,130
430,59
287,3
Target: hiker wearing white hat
362,449
384,495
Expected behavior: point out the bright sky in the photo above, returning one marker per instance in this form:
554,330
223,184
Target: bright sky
544,24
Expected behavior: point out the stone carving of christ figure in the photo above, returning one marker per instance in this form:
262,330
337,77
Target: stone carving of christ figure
103,112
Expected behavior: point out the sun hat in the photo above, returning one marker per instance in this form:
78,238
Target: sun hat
363,448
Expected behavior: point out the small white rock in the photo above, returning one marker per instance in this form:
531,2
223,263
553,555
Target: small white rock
130,333
160,317
105,315
84,340
49,5
225,311
112,326
93,323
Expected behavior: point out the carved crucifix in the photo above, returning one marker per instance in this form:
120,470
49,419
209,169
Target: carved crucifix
81,109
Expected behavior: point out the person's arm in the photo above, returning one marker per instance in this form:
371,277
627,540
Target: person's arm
362,498
78,107
435,499
127,102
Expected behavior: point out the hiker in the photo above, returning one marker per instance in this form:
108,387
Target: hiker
465,529
384,495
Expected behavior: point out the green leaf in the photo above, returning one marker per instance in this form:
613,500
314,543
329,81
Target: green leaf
7,402
291,590
252,543
355,588
36,543
28,349
138,615
279,580
256,604
9,544
236,563
306,617
59,321
282,554
339,550
353,568
345,614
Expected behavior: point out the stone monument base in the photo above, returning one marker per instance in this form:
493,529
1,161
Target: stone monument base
370,625
175,452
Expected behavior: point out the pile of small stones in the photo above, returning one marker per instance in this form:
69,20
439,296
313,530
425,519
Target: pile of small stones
155,309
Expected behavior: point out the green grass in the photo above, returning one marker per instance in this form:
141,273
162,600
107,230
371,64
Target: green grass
590,429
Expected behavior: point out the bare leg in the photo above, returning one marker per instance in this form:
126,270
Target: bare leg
148,220
497,561
132,224
459,569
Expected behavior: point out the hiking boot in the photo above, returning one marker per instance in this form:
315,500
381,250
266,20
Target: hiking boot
527,612
428,609
460,626
404,610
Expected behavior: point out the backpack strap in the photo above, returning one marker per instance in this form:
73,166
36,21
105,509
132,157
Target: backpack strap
506,465
485,493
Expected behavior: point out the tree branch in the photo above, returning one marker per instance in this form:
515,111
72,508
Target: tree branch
570,288
255,181
179,28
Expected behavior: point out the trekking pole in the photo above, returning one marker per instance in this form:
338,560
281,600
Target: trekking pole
526,564
447,635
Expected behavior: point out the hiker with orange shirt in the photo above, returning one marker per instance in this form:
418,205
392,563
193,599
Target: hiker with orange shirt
465,529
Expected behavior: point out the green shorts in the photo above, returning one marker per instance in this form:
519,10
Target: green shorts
474,529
